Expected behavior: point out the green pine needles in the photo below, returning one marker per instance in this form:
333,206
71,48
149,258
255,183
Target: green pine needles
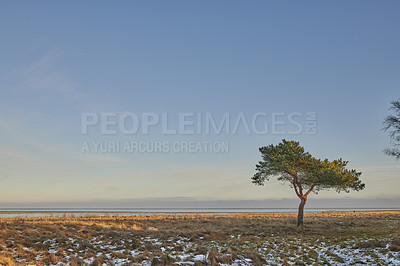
289,163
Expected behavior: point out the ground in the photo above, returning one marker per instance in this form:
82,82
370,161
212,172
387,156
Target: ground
328,238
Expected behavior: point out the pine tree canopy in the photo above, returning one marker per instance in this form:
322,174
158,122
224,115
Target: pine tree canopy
289,163
392,124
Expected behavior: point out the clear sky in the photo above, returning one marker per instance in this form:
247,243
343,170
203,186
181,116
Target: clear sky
62,59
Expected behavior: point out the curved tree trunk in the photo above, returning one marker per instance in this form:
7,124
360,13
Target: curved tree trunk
301,210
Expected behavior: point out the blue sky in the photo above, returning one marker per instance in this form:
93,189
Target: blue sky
61,59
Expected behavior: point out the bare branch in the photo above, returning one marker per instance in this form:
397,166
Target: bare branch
296,190
309,191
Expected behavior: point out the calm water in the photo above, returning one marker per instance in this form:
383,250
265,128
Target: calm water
37,212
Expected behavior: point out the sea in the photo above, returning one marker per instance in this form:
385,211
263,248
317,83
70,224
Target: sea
76,212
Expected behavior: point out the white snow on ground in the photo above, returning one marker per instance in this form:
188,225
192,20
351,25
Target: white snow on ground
272,249
200,257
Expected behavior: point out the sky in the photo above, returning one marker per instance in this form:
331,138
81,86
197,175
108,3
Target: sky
64,61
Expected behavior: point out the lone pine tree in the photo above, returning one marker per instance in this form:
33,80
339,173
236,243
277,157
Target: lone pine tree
292,165
392,124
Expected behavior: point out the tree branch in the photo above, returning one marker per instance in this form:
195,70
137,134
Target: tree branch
309,191
299,187
295,189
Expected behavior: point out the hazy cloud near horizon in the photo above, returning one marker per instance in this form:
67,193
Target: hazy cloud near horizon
173,202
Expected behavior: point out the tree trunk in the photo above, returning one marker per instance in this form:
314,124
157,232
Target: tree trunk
301,211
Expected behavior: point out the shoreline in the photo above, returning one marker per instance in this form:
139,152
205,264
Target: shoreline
157,211
172,215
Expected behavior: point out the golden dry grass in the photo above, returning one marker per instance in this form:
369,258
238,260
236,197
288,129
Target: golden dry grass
222,239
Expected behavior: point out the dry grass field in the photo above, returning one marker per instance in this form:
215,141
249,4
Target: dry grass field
246,239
